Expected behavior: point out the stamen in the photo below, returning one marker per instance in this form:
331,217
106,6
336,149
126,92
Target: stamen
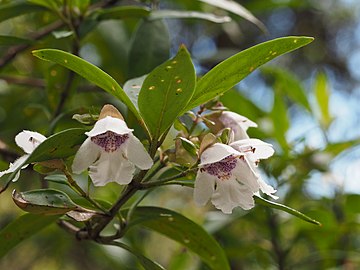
221,169
109,141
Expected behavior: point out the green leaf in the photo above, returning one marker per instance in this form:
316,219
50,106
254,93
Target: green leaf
59,145
289,85
11,40
154,36
188,145
51,5
184,231
180,14
166,91
132,89
236,9
322,94
57,178
232,70
17,8
21,229
286,209
144,261
89,72
44,201
122,12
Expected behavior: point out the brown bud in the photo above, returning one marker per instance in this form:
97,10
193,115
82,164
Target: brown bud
110,110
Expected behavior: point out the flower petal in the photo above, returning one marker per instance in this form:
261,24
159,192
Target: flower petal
230,194
111,167
204,187
85,156
255,148
238,123
123,173
267,189
217,152
109,123
136,153
29,140
100,171
245,174
14,166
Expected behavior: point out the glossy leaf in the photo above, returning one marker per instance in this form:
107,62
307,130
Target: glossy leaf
22,228
184,231
17,8
287,209
322,94
232,70
154,36
89,72
236,9
166,91
44,201
59,145
179,14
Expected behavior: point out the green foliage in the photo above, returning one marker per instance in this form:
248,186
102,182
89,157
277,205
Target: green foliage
166,91
44,201
182,230
22,228
232,70
89,72
286,209
321,89
154,36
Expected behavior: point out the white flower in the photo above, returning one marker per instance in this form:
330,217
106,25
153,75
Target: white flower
238,124
228,176
111,151
28,141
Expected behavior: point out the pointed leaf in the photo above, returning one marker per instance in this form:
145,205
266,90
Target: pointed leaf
22,228
59,145
89,71
184,231
232,70
154,36
44,201
166,91
236,9
286,209
180,14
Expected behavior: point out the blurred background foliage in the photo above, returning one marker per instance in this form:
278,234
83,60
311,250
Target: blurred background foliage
305,103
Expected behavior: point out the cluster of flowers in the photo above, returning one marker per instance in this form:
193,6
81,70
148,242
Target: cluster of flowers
227,173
